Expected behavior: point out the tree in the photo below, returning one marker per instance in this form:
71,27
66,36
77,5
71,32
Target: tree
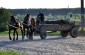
4,18
50,17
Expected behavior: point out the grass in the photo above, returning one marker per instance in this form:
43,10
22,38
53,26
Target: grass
4,33
48,32
10,52
7,32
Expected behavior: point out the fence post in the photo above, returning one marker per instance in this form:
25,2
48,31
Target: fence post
82,15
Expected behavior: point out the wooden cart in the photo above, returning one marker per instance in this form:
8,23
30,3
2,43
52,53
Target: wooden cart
63,28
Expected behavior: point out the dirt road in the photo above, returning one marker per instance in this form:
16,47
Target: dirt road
52,45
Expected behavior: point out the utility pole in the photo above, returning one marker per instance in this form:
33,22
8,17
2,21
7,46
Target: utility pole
82,15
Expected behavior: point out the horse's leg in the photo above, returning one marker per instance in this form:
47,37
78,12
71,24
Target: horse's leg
31,34
14,34
17,34
23,33
27,34
9,34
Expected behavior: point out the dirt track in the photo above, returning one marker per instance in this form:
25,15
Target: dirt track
53,45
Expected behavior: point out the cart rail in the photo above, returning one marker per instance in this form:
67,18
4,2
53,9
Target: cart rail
58,27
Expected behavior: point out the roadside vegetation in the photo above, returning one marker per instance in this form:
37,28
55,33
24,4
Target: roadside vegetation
10,52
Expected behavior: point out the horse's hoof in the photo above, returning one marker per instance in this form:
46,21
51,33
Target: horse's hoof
10,38
27,36
23,38
13,39
17,39
31,38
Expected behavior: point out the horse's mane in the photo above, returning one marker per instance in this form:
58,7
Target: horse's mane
33,21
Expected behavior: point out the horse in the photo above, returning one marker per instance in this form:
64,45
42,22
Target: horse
27,27
32,28
14,24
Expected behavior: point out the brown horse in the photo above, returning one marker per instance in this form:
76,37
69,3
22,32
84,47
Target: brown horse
32,28
28,27
14,24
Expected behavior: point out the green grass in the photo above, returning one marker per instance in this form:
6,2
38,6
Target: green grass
10,52
48,32
7,32
4,33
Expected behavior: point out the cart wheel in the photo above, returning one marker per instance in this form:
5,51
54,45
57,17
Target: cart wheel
64,33
74,33
43,34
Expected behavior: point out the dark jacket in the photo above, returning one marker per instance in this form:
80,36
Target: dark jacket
40,16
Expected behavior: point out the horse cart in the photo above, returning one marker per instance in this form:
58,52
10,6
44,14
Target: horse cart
63,26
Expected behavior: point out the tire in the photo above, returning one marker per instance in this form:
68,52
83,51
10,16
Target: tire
43,34
64,33
74,32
